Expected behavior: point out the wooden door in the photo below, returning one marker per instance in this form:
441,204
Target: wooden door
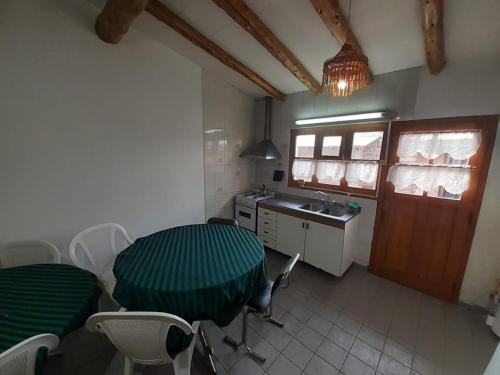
323,247
290,235
423,241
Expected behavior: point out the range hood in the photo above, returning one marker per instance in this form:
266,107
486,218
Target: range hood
265,149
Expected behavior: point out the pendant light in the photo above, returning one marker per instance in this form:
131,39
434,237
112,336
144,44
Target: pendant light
347,71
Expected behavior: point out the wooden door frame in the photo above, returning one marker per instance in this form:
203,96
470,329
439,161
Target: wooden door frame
488,126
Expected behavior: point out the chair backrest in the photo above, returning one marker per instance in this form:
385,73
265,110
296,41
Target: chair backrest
141,336
95,247
220,220
21,358
21,253
285,273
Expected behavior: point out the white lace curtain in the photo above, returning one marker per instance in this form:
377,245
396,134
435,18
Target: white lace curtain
361,173
454,180
303,169
459,145
330,172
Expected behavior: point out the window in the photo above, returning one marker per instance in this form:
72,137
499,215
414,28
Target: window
304,146
338,158
331,145
434,164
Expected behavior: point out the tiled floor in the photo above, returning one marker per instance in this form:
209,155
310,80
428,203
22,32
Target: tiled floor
360,324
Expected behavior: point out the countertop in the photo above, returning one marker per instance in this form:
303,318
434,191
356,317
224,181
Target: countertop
289,204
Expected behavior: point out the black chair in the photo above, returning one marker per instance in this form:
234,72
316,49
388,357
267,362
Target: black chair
220,220
261,305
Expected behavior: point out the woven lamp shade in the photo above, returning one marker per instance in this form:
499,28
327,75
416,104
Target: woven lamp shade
346,72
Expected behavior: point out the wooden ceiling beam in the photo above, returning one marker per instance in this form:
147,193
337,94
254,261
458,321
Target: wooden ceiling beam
432,26
330,12
165,15
116,17
248,20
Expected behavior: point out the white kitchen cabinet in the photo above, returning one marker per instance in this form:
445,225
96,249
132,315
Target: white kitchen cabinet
290,235
323,247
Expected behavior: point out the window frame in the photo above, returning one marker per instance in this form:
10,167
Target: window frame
347,133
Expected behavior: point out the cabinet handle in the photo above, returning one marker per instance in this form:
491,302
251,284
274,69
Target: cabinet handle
307,226
266,232
303,224
265,222
266,213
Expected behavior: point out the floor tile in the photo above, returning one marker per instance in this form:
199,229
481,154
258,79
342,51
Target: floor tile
389,366
278,338
328,311
371,337
340,337
301,313
282,366
318,366
319,324
332,353
425,366
309,338
348,324
291,324
297,353
368,354
353,366
398,352
262,347
245,366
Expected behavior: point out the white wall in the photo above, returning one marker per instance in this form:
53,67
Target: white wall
230,113
91,132
394,91
462,89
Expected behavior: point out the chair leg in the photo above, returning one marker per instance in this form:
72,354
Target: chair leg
182,363
209,352
269,317
128,367
230,341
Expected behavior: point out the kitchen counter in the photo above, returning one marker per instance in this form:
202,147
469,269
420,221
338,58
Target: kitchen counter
290,205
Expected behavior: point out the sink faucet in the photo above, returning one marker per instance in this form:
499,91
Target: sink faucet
325,198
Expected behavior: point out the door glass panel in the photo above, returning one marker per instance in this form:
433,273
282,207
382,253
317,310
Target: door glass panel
304,146
331,145
367,145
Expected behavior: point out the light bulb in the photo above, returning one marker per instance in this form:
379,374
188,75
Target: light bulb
342,85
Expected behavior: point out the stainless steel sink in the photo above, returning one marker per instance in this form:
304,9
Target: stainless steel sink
334,211
313,207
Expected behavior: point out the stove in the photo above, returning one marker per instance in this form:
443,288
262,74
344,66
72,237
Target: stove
251,198
245,209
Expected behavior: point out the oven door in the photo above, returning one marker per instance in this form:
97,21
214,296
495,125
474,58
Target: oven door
246,217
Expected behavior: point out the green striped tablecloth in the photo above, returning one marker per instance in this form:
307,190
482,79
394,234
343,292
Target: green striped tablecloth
44,298
197,272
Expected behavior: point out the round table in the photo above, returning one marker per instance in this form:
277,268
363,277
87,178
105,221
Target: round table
44,298
197,272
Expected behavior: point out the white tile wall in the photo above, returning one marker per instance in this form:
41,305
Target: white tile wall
231,114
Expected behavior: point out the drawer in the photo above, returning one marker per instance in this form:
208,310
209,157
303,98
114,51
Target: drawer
267,223
268,242
267,214
266,232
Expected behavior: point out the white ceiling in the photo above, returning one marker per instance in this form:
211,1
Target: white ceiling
388,30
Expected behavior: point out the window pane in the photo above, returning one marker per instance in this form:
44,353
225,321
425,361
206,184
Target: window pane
411,190
367,145
362,175
304,146
331,146
330,172
303,169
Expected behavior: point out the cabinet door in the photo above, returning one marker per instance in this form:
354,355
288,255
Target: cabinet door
290,235
323,247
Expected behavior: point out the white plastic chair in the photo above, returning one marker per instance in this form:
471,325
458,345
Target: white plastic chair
22,253
21,358
96,248
142,338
